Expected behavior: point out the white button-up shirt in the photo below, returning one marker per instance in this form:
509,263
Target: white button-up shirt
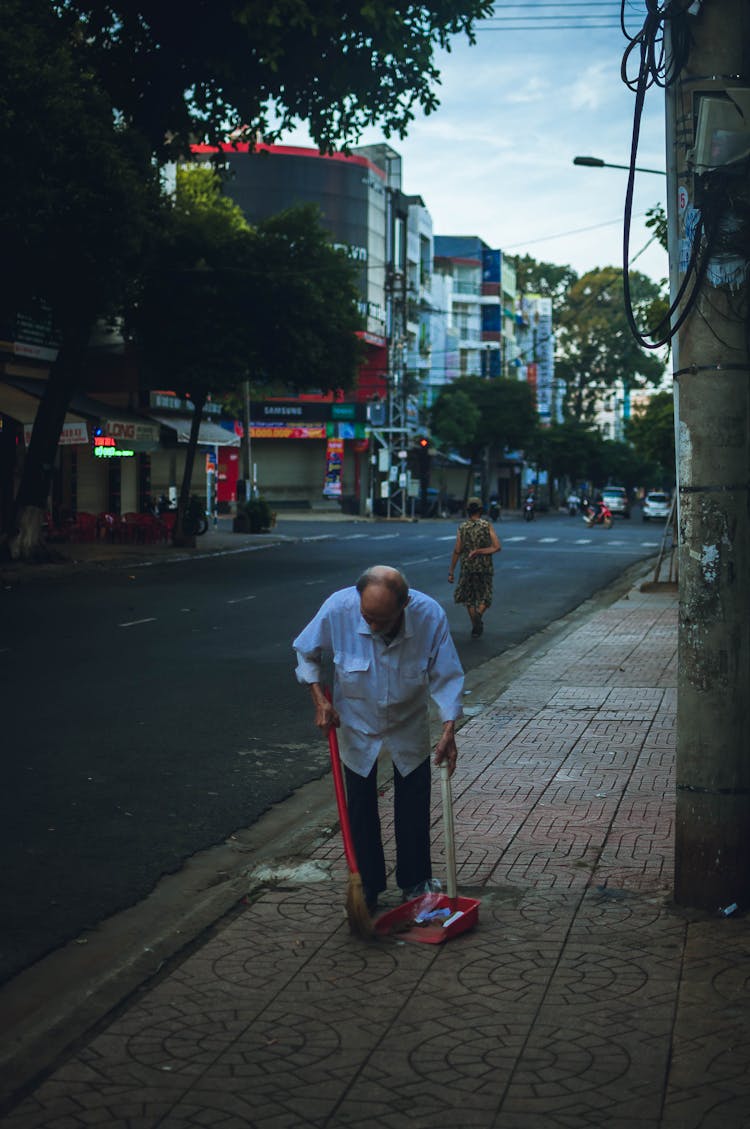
382,691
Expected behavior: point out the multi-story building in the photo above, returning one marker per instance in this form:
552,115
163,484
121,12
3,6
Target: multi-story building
535,354
477,286
389,237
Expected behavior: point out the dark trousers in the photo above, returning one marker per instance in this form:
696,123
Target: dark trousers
411,811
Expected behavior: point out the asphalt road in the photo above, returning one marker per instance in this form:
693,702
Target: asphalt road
152,711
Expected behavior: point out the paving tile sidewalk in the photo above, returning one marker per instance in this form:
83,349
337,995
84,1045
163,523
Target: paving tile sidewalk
583,998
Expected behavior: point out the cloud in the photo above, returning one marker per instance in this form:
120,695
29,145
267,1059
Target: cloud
593,89
496,159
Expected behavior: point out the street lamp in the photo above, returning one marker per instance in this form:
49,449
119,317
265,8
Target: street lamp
598,163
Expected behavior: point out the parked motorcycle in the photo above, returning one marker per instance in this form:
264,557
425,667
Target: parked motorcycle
598,514
494,509
528,508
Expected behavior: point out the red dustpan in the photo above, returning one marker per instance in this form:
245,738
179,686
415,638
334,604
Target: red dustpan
433,918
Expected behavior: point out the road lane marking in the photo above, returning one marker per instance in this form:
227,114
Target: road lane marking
583,541
650,544
451,538
354,537
506,539
548,540
385,537
135,622
419,560
240,599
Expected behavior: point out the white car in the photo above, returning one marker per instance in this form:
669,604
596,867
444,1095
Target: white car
656,505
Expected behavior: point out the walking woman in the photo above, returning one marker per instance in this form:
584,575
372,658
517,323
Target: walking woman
476,543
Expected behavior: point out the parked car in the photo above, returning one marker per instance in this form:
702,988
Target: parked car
656,505
616,498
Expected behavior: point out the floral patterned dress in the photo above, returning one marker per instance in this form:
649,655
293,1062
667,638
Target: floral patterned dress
475,582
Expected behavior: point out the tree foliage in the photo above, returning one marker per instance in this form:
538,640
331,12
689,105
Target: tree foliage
568,450
595,348
547,279
79,189
651,432
219,301
261,66
94,97
79,195
482,419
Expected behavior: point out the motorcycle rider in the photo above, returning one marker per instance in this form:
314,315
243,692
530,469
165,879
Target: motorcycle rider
597,511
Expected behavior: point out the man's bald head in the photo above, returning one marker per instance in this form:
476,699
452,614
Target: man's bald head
383,595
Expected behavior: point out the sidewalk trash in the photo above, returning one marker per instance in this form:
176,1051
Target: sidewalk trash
727,911
421,919
434,917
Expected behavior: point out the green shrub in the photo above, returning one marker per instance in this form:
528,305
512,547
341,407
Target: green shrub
257,514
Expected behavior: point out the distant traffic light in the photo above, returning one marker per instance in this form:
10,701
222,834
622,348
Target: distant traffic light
423,461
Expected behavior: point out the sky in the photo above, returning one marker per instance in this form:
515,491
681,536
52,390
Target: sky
541,85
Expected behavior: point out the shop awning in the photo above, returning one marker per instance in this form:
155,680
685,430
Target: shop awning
135,432
22,406
209,434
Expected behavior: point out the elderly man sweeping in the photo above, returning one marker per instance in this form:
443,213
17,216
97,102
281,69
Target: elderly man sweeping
392,650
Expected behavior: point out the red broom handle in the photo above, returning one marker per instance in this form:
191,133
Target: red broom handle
338,783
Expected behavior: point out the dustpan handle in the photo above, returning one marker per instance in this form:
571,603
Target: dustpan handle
450,842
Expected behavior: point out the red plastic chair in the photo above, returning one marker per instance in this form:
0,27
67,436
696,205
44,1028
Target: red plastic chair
148,529
84,527
167,523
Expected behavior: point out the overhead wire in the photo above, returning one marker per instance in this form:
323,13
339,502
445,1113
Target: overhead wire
582,15
655,69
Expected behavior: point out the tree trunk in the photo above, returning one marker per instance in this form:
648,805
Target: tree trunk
25,533
181,537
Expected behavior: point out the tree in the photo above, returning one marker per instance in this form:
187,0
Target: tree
619,465
569,450
79,193
595,346
260,66
219,300
547,279
651,432
93,79
502,418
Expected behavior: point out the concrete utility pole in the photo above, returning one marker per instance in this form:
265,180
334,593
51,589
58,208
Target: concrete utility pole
711,136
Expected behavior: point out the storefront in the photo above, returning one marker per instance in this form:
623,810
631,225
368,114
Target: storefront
304,453
103,454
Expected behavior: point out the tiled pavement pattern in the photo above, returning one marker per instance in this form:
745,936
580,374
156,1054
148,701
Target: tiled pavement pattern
583,998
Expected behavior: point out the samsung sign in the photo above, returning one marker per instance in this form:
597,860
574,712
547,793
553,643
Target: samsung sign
306,412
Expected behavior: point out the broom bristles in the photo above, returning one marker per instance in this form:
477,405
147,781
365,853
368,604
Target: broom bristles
360,922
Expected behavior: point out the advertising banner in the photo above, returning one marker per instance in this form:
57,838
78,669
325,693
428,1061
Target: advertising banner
284,431
334,463
73,434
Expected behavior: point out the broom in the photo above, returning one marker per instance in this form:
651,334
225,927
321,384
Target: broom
357,912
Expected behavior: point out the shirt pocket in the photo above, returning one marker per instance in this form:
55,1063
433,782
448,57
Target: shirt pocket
412,678
352,673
